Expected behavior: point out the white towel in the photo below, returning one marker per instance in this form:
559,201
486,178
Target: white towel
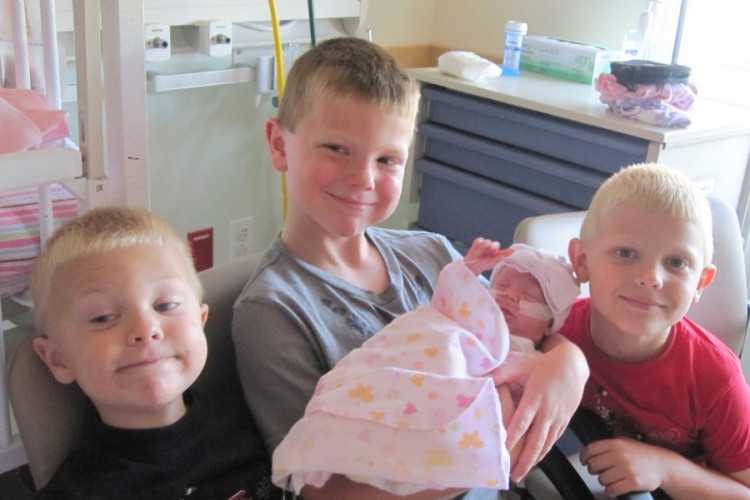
467,65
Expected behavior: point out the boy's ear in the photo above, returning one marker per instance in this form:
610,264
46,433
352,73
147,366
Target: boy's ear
276,145
47,350
577,258
204,314
707,277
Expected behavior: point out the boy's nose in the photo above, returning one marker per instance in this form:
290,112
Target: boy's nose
145,328
362,175
651,275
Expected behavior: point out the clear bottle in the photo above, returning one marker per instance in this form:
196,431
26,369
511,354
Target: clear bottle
514,32
640,42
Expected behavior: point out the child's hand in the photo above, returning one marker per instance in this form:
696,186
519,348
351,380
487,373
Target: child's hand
624,465
484,254
552,389
508,407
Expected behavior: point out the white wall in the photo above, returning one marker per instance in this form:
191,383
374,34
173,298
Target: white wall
482,21
478,25
399,22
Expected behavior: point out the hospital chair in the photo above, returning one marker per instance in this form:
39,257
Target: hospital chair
51,416
723,309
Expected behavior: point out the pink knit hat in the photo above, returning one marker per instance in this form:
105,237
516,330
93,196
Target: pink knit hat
554,275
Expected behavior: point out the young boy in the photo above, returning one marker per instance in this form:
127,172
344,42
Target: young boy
118,309
673,394
332,279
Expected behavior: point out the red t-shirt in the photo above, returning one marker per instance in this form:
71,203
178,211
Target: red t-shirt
692,399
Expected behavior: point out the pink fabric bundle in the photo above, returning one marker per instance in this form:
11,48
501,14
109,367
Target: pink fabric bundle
414,407
661,104
26,122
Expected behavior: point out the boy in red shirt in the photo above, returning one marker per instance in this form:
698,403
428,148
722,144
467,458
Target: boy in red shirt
674,394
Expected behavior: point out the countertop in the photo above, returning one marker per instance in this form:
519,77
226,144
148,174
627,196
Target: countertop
580,103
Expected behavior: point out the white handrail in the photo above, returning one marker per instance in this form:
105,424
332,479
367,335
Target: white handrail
163,83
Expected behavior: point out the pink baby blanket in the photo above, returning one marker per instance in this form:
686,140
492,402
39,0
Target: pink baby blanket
411,409
26,122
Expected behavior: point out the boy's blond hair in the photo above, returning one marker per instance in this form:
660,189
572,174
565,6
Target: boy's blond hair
103,230
349,67
653,188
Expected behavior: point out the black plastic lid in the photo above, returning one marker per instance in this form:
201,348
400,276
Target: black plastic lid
638,71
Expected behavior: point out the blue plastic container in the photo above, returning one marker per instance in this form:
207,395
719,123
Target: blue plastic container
514,32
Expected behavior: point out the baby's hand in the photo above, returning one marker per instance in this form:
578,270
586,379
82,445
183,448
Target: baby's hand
484,254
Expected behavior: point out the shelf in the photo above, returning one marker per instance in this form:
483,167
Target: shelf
181,81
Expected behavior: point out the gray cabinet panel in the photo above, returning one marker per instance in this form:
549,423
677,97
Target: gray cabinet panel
487,165
592,147
561,181
463,206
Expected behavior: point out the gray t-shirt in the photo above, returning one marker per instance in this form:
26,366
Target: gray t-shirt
293,322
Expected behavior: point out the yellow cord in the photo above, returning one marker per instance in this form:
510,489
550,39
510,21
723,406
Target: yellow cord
280,73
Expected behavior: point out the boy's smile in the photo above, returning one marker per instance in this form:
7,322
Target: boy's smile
645,271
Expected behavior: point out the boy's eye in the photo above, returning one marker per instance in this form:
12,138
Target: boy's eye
166,306
677,263
625,253
390,162
335,148
103,319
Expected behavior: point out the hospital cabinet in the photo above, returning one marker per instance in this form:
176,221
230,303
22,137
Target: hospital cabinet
491,153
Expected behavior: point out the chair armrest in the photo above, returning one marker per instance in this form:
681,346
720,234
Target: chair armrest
564,477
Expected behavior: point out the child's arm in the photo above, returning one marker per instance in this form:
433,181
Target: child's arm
552,389
484,254
625,465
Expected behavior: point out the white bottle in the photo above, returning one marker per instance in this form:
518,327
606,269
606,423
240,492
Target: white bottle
640,42
514,32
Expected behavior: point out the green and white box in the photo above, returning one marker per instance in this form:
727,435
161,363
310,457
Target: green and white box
578,62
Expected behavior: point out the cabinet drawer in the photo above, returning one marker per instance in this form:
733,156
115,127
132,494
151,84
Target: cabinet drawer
463,206
592,147
550,178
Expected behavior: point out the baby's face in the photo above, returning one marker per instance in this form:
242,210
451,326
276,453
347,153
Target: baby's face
127,326
521,299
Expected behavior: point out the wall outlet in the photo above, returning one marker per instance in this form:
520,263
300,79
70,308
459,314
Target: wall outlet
202,247
157,39
216,38
240,238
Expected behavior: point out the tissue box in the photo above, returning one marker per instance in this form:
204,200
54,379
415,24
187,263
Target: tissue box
573,61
